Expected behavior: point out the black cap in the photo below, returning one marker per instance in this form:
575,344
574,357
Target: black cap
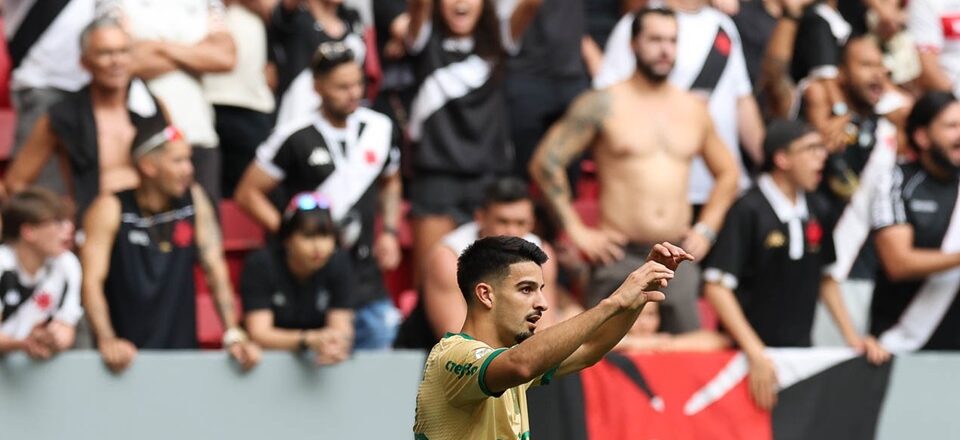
780,134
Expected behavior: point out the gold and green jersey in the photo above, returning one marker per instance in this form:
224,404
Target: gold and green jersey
454,402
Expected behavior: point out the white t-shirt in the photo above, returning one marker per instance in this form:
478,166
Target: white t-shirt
246,85
935,27
184,22
696,36
54,59
461,238
52,292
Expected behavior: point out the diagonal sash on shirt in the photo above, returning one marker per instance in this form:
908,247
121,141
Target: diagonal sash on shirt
853,227
714,64
42,14
921,318
361,164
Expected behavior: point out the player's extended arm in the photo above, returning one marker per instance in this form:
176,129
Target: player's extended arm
612,331
443,302
903,262
548,349
251,196
726,174
100,225
566,140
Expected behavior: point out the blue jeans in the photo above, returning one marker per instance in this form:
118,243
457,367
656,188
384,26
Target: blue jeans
376,325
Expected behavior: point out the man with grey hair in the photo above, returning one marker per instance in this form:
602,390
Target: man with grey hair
91,129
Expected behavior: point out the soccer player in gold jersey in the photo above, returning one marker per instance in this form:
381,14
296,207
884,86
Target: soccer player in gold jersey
474,384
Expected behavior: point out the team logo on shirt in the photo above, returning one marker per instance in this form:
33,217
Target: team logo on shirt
481,352
814,234
319,157
323,299
12,297
461,370
775,239
278,299
370,157
182,234
138,238
43,300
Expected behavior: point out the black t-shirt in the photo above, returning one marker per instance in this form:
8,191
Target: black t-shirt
778,294
294,37
817,43
302,158
915,198
756,26
601,16
458,118
150,286
267,284
551,44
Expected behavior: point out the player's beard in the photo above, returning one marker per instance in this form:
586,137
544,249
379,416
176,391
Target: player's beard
647,71
523,336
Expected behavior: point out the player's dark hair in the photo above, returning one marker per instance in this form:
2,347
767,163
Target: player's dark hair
30,207
924,111
488,260
637,27
845,49
329,56
505,190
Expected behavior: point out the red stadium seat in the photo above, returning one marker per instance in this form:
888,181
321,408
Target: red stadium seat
240,236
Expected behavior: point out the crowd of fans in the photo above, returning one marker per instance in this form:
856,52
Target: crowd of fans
803,151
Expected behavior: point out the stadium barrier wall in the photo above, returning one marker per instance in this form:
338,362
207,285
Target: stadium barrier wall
202,395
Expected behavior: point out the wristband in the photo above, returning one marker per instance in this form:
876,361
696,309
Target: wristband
302,345
706,231
390,230
233,336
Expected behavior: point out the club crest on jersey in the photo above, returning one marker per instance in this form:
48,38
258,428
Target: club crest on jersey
775,239
138,238
481,352
43,300
12,297
319,157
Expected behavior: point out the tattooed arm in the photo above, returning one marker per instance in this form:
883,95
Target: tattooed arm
565,141
210,249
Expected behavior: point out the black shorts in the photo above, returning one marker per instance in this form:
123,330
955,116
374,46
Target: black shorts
447,195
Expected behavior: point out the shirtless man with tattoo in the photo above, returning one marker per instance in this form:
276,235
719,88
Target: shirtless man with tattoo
644,133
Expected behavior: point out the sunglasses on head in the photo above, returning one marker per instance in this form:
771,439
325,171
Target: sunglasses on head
306,201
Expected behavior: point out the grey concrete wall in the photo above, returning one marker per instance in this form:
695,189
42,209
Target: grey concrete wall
202,395
923,398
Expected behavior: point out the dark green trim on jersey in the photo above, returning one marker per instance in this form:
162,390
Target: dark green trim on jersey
548,376
424,437
524,436
483,372
464,335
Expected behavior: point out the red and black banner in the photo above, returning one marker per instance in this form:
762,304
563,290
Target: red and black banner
825,394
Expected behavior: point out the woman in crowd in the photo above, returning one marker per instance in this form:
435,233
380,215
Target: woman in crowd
296,292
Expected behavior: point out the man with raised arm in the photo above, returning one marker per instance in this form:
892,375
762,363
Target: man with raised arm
475,382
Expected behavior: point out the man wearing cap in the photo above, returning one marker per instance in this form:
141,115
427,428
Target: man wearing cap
764,274
139,255
349,153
